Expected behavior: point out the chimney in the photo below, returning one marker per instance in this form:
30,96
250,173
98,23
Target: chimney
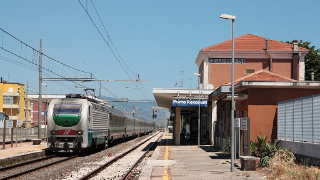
295,60
267,44
295,45
267,50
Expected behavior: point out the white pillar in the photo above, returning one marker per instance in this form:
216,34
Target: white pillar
302,68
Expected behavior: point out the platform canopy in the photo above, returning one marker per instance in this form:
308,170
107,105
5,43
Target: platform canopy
164,97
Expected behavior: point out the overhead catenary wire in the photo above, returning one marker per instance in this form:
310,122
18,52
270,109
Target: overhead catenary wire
108,44
85,63
34,62
35,50
145,94
110,37
19,63
90,65
32,68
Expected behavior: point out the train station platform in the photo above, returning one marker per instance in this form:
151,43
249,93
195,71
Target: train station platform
190,162
21,151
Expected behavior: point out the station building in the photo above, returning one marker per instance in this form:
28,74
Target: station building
257,97
271,70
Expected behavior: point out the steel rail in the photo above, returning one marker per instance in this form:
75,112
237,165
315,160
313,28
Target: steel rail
25,163
99,169
34,169
126,176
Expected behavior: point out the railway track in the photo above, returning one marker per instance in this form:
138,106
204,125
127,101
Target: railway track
132,174
117,158
24,172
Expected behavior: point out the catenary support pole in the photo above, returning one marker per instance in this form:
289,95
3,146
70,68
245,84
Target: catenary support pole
4,134
27,109
11,120
40,84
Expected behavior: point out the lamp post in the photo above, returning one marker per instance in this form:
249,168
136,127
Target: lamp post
230,17
196,74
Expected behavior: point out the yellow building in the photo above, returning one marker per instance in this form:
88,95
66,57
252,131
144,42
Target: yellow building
13,102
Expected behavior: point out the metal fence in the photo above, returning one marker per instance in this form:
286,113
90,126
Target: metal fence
299,119
21,134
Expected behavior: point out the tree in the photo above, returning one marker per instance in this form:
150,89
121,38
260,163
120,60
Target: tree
312,60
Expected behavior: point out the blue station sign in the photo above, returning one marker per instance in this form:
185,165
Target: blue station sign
189,103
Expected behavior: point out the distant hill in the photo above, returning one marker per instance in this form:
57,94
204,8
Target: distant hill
140,108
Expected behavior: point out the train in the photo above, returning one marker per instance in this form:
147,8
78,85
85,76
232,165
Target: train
77,123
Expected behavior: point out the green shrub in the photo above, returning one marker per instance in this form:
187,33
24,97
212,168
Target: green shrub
262,149
227,147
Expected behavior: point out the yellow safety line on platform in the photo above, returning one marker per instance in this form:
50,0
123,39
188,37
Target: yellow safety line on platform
166,175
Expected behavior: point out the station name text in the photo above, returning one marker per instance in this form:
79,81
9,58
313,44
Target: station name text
227,61
188,103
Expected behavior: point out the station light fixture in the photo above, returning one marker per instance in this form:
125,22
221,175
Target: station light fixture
231,17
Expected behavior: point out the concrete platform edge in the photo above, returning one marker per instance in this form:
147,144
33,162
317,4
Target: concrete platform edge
22,157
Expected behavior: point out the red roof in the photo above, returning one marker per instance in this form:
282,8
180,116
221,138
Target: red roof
252,42
263,75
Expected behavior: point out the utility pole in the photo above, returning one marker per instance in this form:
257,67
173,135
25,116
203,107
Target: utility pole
134,109
100,91
40,84
26,118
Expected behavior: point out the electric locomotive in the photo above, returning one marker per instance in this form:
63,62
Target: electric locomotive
76,123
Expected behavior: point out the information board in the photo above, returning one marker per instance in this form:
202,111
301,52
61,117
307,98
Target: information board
244,124
19,123
237,122
9,123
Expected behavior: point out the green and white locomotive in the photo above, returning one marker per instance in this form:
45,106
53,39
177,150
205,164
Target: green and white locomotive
76,123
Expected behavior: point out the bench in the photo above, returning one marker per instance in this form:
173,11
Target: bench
249,163
36,141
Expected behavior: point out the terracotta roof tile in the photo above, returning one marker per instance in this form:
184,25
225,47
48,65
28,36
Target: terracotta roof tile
263,75
252,42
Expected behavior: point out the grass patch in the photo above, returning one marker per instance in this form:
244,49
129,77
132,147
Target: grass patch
283,166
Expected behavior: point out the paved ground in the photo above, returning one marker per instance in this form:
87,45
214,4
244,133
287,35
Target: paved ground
167,162
21,150
191,162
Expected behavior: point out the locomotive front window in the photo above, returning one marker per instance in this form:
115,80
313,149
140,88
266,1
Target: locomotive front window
67,109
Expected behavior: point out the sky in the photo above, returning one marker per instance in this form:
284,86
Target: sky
159,40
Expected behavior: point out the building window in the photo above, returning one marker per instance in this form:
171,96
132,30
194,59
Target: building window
249,71
8,100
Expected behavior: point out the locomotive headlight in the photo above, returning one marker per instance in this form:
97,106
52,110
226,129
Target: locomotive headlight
78,132
54,132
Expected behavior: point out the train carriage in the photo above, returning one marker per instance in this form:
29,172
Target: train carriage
117,124
130,126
